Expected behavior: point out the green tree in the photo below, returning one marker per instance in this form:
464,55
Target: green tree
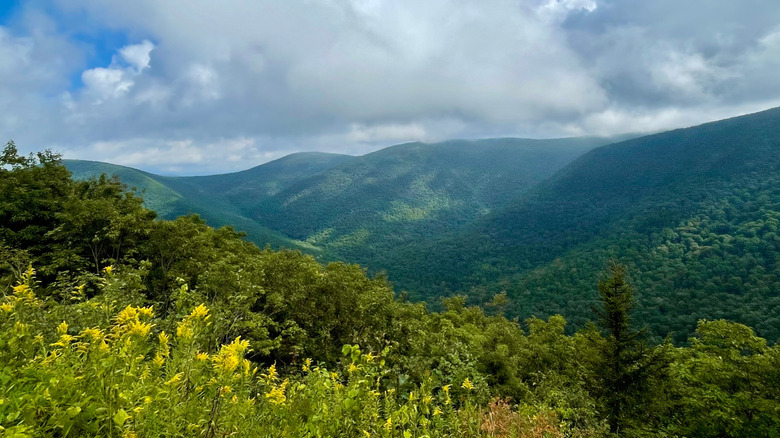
627,366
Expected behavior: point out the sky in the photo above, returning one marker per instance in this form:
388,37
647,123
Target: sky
201,86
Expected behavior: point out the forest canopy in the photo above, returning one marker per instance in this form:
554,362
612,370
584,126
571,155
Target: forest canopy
116,323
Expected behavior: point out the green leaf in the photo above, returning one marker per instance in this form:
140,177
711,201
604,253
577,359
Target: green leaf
120,417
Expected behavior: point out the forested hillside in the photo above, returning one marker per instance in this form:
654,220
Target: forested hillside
693,211
352,208
114,323
215,198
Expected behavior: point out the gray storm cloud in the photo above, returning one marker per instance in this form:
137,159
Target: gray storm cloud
206,86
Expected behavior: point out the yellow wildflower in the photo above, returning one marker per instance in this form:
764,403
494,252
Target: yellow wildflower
62,328
94,334
184,331
163,338
411,396
271,376
175,379
108,269
21,289
146,311
137,409
389,424
446,389
276,394
200,312
230,356
202,356
7,307
437,412
139,328
352,368
64,341
127,315
369,357
159,360
307,365
366,433
467,384
427,399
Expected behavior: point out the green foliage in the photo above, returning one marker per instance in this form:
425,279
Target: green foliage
134,326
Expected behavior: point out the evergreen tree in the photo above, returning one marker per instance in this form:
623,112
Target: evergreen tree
627,365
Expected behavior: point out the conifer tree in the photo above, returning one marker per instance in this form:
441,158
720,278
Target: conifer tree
627,364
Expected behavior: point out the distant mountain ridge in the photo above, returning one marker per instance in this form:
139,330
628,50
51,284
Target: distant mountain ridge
349,207
694,213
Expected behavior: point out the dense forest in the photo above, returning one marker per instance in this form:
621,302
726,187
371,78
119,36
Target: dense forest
116,323
691,212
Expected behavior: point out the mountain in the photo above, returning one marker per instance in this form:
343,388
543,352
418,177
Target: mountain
402,194
211,196
693,213
352,208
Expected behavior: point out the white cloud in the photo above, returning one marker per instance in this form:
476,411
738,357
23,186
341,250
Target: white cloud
138,55
393,132
106,82
356,75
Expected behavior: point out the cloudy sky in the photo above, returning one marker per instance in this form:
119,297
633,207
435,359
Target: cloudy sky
204,86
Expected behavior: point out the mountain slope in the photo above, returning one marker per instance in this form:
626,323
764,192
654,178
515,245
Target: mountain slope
402,194
210,196
701,203
352,208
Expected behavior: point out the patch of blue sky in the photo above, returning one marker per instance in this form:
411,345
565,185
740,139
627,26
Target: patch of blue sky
8,9
98,42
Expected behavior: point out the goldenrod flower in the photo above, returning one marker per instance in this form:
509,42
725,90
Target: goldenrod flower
175,379
276,394
436,412
184,331
108,269
467,384
62,328
94,334
352,368
139,328
446,389
7,307
389,424
127,315
231,356
64,341
307,365
202,356
200,312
